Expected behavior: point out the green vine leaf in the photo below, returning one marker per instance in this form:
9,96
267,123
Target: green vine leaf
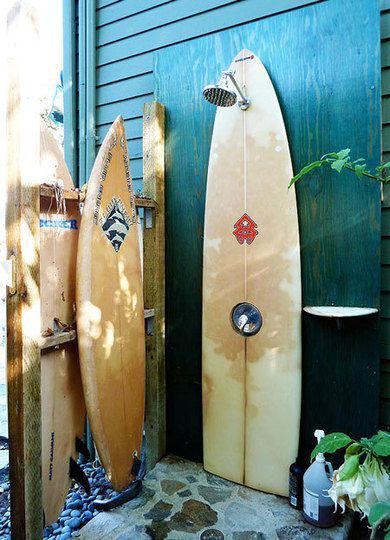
343,153
330,443
304,171
338,164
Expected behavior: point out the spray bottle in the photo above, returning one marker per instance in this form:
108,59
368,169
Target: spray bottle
318,507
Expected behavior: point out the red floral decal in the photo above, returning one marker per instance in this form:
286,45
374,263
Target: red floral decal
245,229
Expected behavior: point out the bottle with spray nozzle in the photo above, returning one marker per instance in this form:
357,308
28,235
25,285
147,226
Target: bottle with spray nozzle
318,507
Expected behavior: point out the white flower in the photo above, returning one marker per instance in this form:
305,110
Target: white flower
370,484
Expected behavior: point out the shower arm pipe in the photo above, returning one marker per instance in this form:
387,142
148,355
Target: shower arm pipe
244,102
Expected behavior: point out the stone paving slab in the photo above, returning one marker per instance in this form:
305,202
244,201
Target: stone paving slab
181,501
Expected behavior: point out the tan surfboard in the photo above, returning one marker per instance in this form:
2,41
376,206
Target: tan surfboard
251,385
110,312
63,408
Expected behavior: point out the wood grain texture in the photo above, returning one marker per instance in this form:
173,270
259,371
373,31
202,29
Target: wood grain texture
110,321
339,217
63,407
154,281
23,306
252,385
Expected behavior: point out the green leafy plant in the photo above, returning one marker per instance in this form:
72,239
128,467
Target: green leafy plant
363,479
379,519
342,160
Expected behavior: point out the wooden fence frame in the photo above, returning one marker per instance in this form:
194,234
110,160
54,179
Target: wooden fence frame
24,342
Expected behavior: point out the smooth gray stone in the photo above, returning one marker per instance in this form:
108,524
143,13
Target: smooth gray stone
74,522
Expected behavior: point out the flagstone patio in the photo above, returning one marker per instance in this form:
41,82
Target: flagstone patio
180,500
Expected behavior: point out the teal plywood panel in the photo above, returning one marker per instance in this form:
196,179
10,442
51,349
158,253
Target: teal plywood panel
195,26
339,216
124,69
162,15
135,86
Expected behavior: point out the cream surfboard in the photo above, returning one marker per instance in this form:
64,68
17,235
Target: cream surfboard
251,385
110,313
63,408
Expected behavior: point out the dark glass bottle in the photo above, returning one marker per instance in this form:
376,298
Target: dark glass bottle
296,485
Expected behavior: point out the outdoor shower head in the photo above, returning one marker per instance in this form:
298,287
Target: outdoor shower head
221,97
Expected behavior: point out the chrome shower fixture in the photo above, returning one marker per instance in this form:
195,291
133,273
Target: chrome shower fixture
220,95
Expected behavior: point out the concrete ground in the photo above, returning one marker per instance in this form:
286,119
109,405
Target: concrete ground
180,500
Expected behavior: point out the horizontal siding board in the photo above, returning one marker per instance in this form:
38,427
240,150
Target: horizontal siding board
386,193
128,108
386,109
385,278
385,385
385,366
385,330
385,412
385,25
385,53
124,8
385,304
385,221
385,347
162,15
386,138
196,26
385,245
385,81
128,88
133,129
124,69
384,4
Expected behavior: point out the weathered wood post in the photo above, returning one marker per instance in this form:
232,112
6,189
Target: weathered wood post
23,304
154,279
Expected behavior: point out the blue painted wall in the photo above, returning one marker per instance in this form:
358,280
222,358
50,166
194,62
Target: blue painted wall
323,58
129,32
330,100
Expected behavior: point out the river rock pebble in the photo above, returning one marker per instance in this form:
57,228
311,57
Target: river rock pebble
79,508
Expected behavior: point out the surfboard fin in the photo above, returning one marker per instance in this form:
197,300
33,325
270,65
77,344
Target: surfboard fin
127,495
82,448
78,475
136,466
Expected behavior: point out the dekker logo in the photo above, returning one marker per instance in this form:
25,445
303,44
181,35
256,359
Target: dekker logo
251,57
51,455
245,229
58,223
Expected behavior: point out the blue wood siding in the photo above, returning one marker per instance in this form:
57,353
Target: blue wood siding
385,286
128,32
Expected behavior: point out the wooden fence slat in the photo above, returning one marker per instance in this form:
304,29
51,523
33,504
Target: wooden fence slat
23,304
154,280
